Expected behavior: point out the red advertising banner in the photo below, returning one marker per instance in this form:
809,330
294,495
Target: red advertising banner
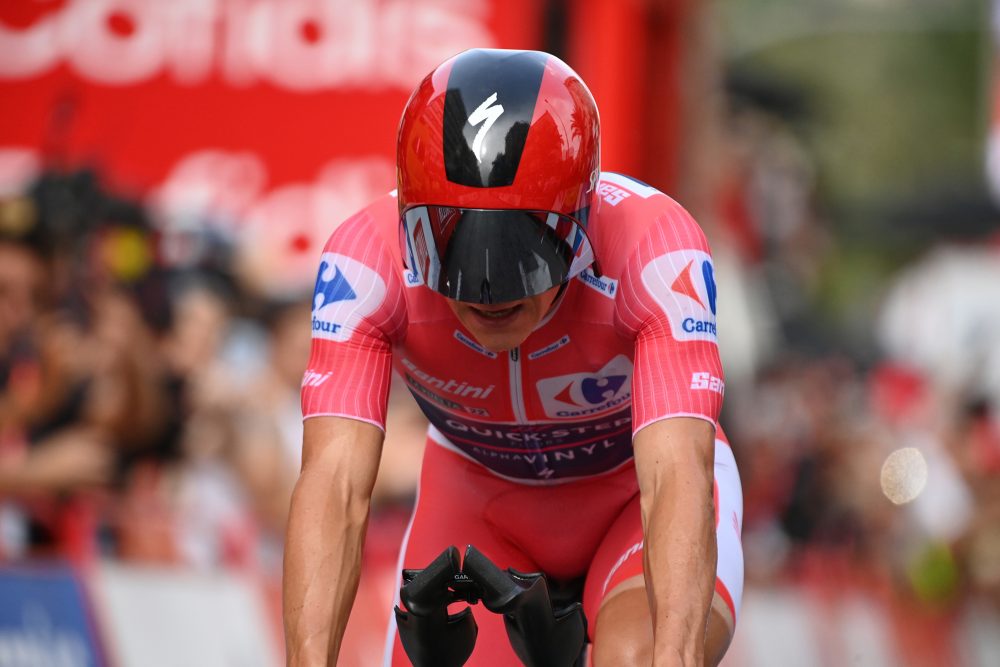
271,119
634,56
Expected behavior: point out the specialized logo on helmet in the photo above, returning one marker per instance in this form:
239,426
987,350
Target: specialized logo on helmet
584,394
346,291
487,115
683,284
488,110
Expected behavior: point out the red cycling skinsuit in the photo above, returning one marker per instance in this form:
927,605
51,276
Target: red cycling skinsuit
529,454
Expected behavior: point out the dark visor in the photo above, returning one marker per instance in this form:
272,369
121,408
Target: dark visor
491,256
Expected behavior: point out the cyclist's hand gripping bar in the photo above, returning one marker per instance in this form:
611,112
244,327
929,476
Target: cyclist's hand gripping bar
539,636
430,635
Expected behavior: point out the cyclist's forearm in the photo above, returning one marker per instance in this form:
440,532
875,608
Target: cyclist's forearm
675,467
680,558
322,563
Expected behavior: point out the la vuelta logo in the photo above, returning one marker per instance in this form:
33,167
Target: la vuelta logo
585,394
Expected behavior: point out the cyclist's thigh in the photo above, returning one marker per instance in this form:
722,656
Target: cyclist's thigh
619,557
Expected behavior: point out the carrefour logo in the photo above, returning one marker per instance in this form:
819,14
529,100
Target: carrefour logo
606,286
327,293
691,325
584,394
593,391
683,284
346,292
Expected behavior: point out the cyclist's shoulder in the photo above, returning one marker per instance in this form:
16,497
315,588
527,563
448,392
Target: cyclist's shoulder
380,216
614,188
626,203
369,234
361,257
631,213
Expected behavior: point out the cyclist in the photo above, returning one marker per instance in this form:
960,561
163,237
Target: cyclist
557,327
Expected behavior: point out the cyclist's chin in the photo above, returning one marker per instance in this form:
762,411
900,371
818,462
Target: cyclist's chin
504,326
500,342
498,329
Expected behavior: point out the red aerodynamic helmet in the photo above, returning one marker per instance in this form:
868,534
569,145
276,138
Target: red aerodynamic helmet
498,159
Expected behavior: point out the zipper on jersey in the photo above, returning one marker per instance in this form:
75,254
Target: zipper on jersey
516,387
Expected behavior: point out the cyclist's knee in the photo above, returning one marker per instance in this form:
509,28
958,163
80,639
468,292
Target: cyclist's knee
719,633
622,652
624,632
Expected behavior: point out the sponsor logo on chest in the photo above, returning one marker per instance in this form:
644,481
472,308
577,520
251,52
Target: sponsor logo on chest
456,388
605,285
585,394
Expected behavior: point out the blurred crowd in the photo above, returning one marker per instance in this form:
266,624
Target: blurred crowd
148,408
869,453
149,397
